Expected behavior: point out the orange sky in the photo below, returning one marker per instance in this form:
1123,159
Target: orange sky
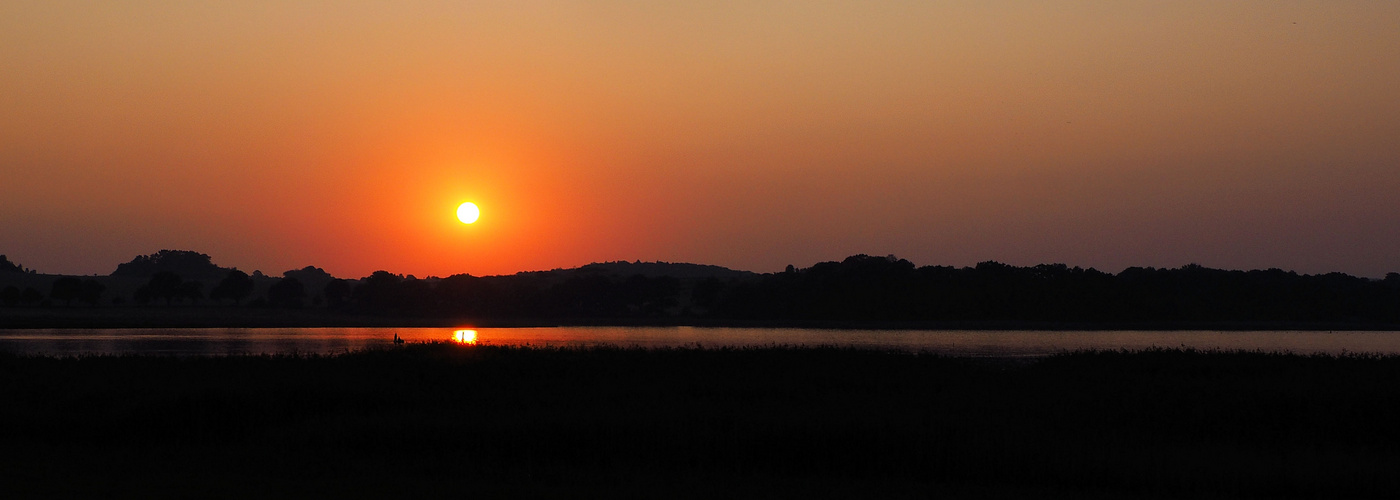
274,135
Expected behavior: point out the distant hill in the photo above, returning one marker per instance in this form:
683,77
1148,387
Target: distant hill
659,269
624,269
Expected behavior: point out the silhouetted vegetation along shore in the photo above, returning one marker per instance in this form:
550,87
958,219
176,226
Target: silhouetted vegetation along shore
859,289
10,267
439,420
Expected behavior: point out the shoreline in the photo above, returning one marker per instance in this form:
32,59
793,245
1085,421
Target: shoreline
59,317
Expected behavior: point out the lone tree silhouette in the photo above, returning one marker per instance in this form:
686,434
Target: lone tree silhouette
66,289
235,286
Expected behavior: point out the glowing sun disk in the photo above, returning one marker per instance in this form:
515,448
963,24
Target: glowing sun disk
468,213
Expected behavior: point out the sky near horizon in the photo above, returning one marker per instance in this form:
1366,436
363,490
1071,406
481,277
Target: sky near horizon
749,134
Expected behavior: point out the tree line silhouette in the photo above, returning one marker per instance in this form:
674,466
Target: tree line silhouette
866,288
13,295
10,267
859,288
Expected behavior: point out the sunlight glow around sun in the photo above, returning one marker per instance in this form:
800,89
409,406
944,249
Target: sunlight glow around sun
464,336
468,213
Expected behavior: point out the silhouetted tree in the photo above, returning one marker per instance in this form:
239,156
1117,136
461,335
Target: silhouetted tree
31,296
91,292
313,279
858,288
707,292
873,288
142,295
235,286
649,296
591,295
415,295
194,265
66,289
287,292
191,290
464,294
336,291
379,291
163,285
10,296
9,267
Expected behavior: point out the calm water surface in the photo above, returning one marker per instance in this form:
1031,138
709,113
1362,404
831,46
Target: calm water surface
978,343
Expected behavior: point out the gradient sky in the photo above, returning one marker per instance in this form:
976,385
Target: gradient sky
748,134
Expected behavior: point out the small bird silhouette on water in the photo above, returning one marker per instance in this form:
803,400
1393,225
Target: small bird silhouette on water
397,339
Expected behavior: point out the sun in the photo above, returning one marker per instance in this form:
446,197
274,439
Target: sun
468,213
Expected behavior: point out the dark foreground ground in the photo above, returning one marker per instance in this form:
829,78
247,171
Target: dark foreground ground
462,421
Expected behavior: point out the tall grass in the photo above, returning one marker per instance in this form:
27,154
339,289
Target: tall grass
444,420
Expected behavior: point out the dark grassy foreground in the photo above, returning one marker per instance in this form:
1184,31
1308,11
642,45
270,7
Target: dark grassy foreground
452,421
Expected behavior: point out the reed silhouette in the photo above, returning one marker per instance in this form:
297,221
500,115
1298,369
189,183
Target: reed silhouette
437,420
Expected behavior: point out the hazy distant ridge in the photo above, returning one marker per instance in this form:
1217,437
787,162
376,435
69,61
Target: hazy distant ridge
658,269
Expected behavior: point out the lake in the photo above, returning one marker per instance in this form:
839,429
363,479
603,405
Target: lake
972,343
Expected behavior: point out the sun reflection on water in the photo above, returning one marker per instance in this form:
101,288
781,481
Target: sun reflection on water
464,336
